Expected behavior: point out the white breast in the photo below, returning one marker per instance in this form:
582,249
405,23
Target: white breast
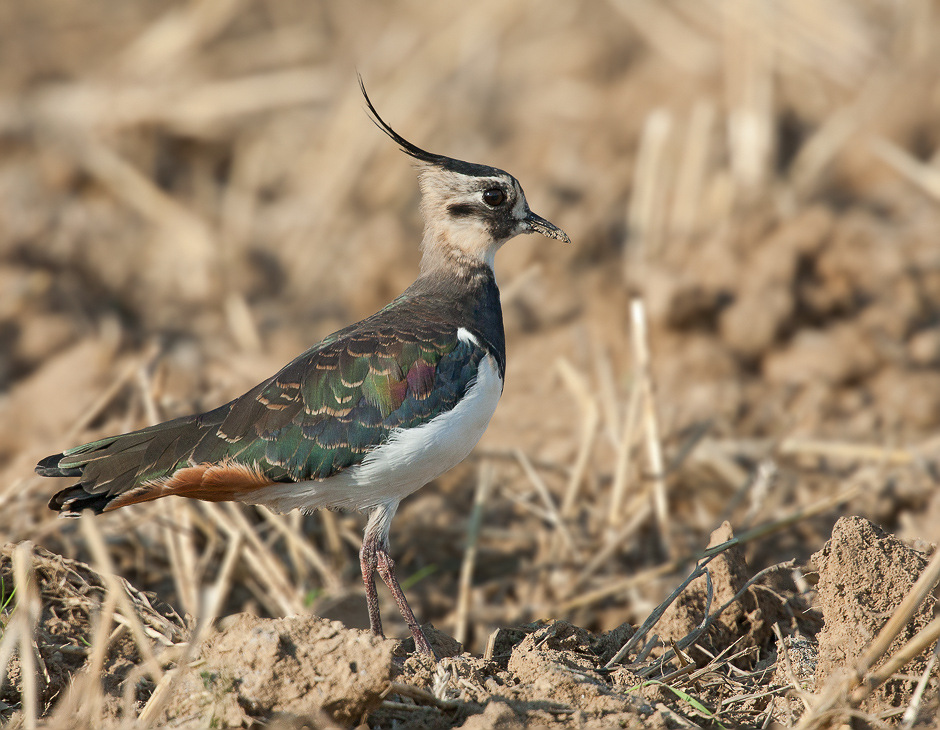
406,462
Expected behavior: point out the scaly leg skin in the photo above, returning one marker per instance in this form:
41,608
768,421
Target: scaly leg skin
386,567
369,563
374,557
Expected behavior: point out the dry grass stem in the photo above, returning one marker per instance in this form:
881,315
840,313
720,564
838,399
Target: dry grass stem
302,549
694,636
265,567
749,62
819,151
657,614
484,482
792,518
111,392
92,706
552,514
590,420
669,34
106,568
624,450
613,544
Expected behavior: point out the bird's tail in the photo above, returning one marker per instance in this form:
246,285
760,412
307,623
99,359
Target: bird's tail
125,469
186,457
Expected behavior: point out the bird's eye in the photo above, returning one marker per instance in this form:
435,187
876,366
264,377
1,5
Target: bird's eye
493,196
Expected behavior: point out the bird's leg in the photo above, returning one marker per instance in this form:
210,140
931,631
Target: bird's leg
386,568
374,557
368,562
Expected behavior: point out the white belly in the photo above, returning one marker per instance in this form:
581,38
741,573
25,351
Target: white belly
406,462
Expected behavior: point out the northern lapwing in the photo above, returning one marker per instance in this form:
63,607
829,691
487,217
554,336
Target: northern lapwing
367,416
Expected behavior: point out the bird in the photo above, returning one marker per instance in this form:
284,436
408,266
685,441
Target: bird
363,418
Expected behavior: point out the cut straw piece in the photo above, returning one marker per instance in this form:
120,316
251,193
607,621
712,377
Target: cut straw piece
749,65
484,482
651,440
647,205
27,613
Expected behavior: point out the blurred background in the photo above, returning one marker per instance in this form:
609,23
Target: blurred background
191,194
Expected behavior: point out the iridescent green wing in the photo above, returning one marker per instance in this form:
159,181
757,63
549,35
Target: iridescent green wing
327,409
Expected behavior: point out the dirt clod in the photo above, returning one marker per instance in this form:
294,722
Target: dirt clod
259,669
864,573
747,622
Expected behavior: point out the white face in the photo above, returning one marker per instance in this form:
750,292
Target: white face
472,216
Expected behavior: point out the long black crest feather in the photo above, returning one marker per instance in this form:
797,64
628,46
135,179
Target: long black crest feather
465,168
406,146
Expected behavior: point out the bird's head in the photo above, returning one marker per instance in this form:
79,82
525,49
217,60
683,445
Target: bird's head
469,210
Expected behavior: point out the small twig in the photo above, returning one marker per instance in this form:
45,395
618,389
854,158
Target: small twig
657,614
692,637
